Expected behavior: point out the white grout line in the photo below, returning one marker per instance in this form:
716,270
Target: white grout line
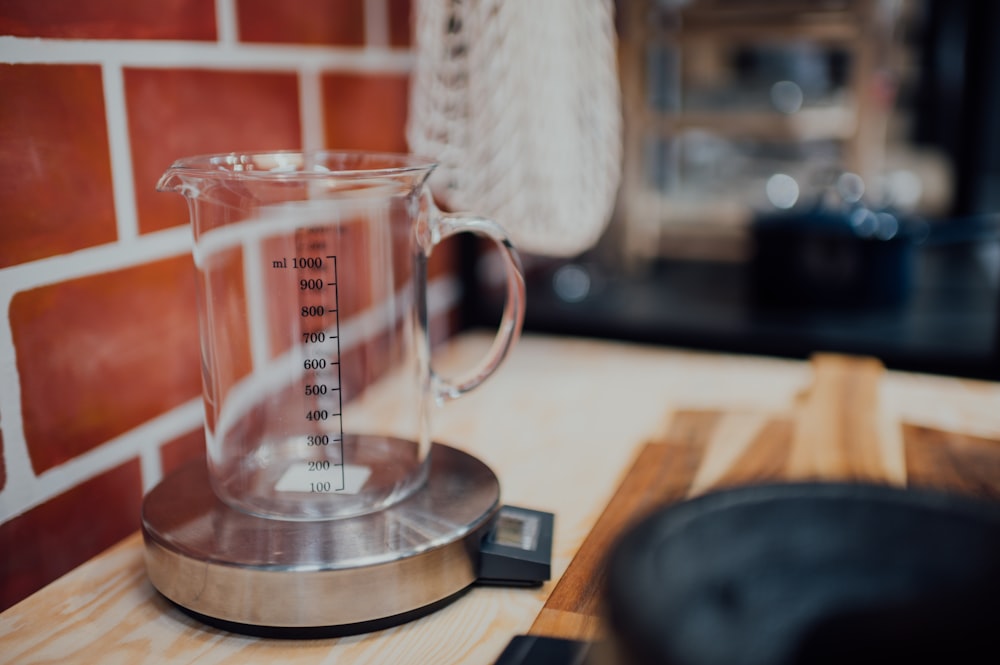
376,23
226,24
147,247
256,302
123,184
443,293
260,57
151,467
311,112
17,463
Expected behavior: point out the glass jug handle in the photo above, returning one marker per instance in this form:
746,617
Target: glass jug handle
444,225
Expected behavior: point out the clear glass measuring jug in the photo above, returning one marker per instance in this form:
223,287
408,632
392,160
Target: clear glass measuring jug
312,296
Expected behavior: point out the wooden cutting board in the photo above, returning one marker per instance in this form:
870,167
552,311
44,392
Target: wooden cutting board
836,432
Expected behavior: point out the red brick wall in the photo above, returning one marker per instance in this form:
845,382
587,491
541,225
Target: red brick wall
99,369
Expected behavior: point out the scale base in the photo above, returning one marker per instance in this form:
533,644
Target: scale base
308,579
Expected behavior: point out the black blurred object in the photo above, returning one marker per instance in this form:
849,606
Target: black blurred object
537,650
833,258
809,573
854,257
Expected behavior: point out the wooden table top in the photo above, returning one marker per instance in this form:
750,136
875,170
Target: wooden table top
597,433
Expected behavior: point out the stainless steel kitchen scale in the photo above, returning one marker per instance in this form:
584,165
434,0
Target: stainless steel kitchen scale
290,578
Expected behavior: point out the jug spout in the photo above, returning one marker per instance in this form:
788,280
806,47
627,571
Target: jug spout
175,180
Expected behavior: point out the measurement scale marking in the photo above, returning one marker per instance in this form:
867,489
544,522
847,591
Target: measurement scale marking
340,394
321,378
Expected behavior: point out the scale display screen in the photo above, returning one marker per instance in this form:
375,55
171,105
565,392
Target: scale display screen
516,530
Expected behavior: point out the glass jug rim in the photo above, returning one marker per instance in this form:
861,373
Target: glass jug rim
288,164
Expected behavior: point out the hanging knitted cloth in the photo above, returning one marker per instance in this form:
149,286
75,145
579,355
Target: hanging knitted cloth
519,102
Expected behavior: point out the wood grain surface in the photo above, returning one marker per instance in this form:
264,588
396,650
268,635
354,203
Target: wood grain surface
838,431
